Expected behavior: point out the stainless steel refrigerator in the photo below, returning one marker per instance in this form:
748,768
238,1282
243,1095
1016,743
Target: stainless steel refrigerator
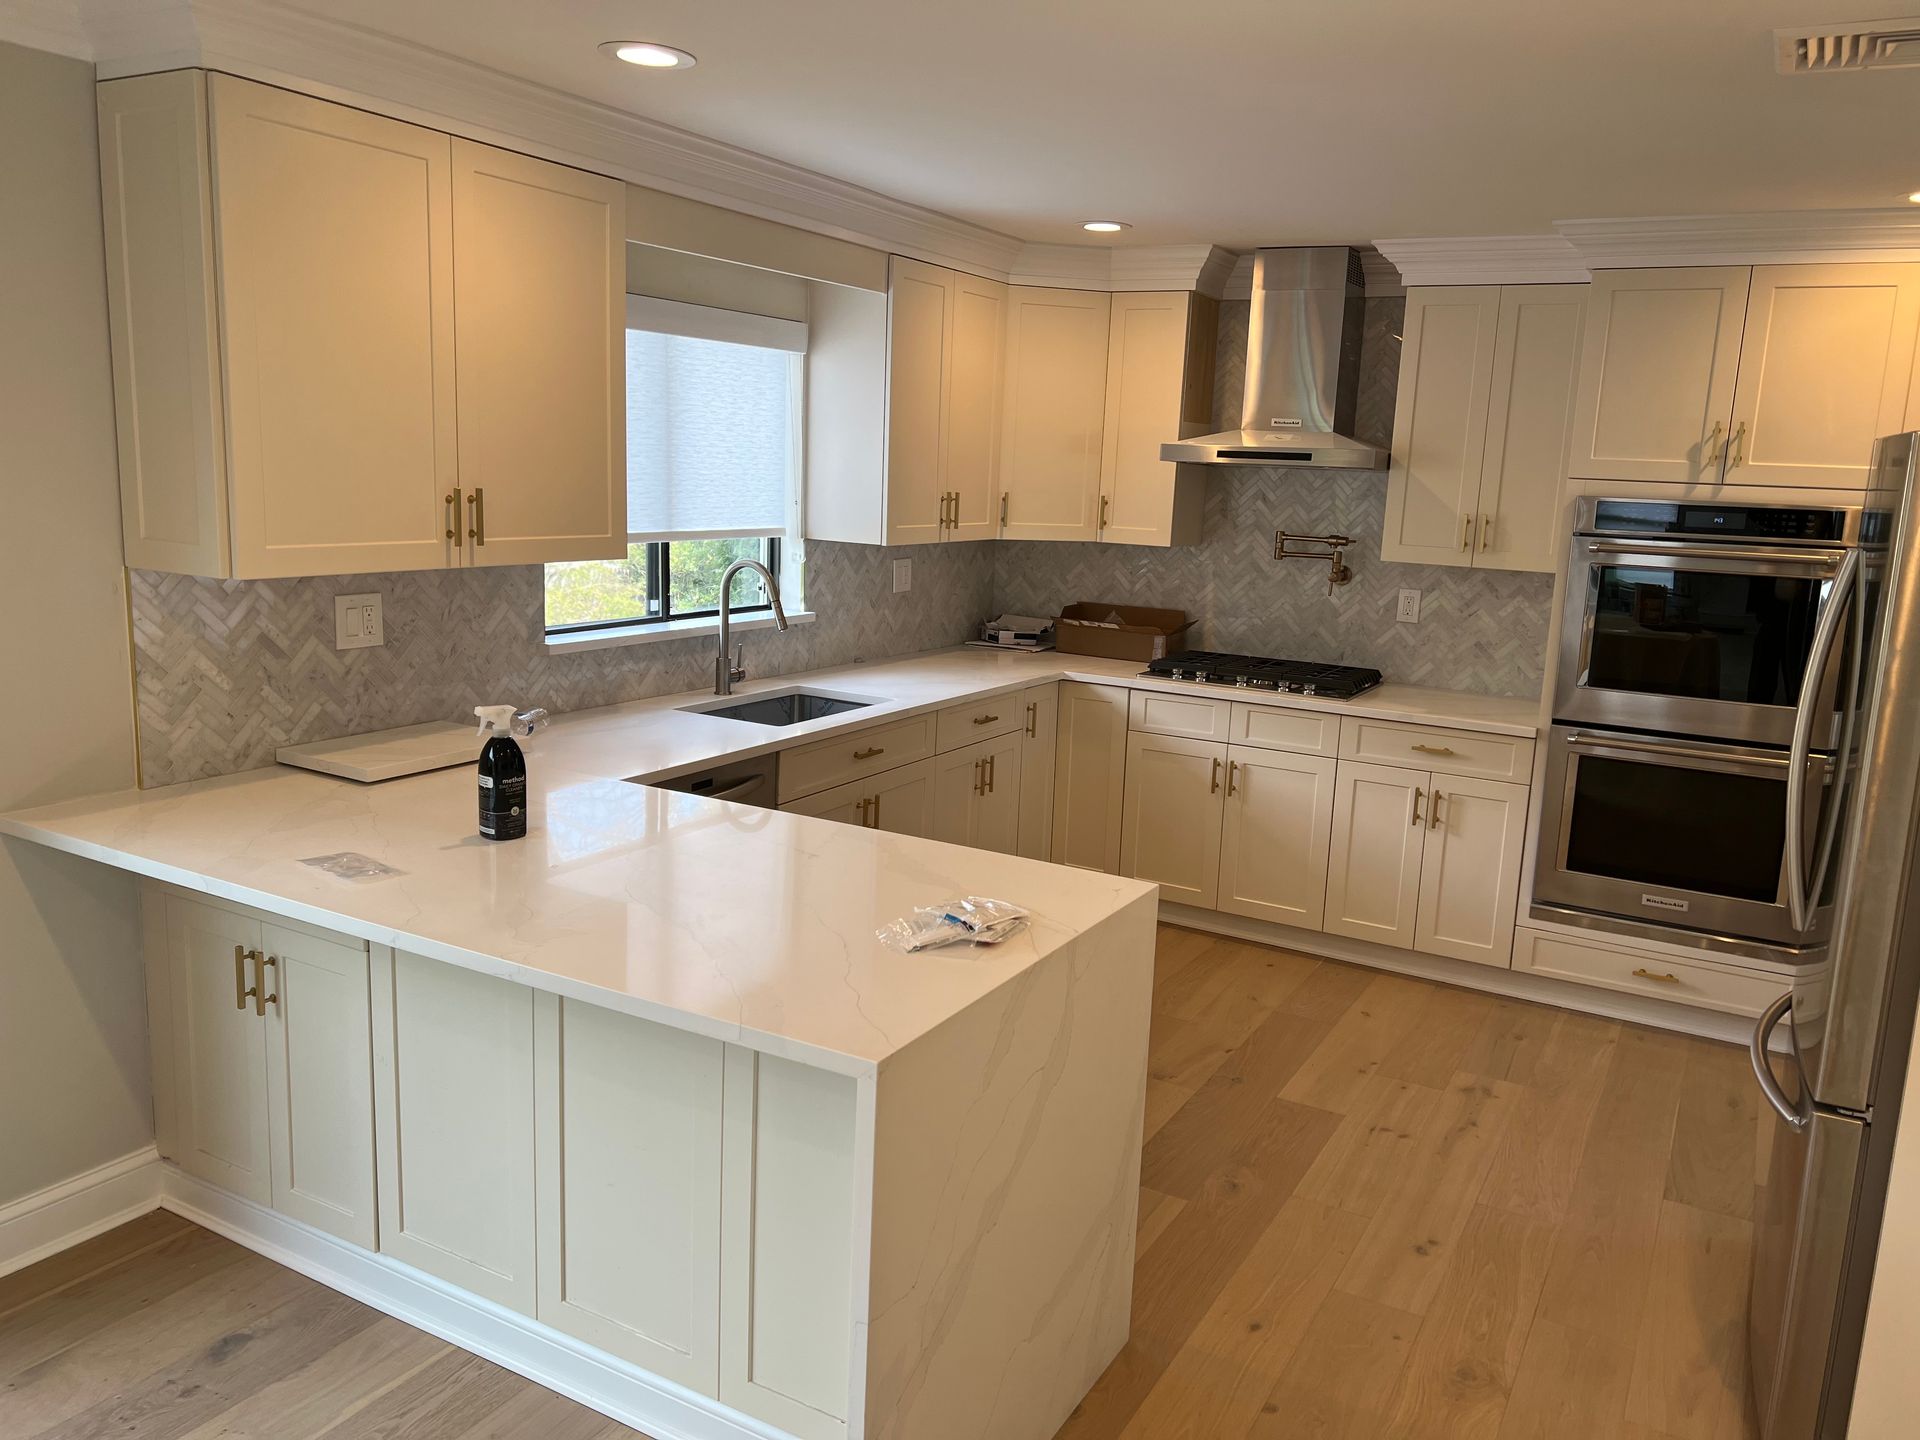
1850,1015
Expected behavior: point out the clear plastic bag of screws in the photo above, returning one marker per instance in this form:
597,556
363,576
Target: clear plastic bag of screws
973,920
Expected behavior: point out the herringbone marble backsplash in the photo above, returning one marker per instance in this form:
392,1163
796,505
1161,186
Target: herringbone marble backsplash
227,671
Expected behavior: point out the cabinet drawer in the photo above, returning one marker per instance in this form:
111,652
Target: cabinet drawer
807,768
1191,717
1445,752
1272,727
981,720
1594,962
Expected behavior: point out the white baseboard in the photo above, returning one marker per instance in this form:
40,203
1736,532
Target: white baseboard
1611,1004
50,1220
543,1355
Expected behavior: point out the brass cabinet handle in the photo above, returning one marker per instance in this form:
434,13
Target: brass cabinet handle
980,776
1486,533
1033,718
1103,512
1233,768
477,509
1433,810
1003,509
990,770
1645,974
1712,447
1738,457
946,506
985,719
876,812
1213,787
869,754
1433,749
865,802
240,990
261,999
1466,532
452,500
1418,796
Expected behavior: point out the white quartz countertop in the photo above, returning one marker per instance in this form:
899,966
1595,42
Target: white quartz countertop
742,923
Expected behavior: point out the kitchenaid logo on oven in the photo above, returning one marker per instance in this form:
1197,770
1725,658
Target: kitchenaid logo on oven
1665,902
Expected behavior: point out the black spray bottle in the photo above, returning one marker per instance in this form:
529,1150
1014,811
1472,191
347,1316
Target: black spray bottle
503,776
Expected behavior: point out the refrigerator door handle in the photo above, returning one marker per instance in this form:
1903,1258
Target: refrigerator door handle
1796,1116
1817,657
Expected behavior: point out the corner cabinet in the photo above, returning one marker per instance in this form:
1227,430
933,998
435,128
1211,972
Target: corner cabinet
1481,424
1774,375
1054,413
345,344
1160,359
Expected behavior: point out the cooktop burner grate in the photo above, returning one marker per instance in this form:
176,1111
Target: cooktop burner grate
1258,672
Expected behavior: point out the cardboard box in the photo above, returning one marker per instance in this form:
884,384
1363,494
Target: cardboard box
1119,632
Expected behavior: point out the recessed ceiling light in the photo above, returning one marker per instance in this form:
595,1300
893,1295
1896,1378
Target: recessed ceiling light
1106,227
652,56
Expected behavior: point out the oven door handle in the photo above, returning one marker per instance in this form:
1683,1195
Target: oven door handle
1796,1116
1788,559
1818,654
1671,750
1842,758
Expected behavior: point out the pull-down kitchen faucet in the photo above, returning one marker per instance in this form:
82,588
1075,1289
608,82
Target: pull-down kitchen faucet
725,670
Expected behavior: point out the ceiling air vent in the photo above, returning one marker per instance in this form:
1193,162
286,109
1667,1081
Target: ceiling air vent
1856,45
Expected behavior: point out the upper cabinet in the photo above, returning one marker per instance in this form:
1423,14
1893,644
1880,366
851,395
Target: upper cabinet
1771,375
1055,412
1159,387
345,344
1480,425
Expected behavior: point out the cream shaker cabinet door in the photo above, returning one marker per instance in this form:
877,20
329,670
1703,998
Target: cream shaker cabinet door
219,1049
1657,364
1089,776
453,1109
976,795
1536,353
629,1122
1824,371
1373,871
843,804
334,229
1039,740
1470,869
1171,830
1055,409
899,801
1276,835
1440,422
1146,396
540,267
320,1083
971,428
919,328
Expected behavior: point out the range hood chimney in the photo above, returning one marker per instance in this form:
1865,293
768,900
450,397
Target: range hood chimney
1303,367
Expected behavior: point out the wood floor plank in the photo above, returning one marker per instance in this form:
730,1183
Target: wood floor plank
1411,1240
1369,1157
1230,976
534,1412
442,1400
1156,1213
1237,1352
1329,992
88,1259
1342,1375
1334,1076
1174,949
1430,1054
1467,1355
1715,1132
1571,1382
1539,1159
1164,1100
1689,1370
1510,1040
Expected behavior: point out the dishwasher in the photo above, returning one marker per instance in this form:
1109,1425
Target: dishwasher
745,782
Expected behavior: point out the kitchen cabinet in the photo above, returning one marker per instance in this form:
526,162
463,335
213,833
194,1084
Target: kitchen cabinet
1170,832
1770,375
1055,413
1276,836
1040,705
271,1088
899,801
1481,424
331,329
628,1118
976,794
454,1116
1089,778
1159,387
1373,868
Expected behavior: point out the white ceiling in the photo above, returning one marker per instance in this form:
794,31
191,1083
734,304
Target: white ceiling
1240,121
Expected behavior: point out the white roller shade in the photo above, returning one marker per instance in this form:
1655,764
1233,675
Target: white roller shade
711,440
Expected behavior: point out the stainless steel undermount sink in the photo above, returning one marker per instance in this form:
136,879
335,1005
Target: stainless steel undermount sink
781,707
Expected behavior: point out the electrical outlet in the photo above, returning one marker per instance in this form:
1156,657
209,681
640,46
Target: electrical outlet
902,576
358,622
1409,611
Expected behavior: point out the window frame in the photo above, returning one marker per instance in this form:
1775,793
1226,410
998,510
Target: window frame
660,609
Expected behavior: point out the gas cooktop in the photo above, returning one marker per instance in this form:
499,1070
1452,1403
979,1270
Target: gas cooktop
1256,672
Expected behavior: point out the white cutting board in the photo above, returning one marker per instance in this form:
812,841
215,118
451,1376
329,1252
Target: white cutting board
388,754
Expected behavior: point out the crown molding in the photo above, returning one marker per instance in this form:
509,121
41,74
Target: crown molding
1381,279
1144,267
1485,260
46,25
1791,237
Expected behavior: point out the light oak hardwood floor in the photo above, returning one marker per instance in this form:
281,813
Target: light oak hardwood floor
1372,1208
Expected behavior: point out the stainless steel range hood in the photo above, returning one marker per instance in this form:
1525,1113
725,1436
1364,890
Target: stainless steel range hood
1303,367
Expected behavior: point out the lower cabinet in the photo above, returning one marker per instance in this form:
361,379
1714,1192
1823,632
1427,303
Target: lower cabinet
1170,830
898,800
1089,778
1039,737
1275,837
270,1088
1373,872
976,794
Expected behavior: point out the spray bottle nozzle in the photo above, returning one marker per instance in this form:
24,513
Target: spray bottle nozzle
495,719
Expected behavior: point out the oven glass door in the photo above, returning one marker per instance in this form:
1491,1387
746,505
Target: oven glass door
1678,833
1694,639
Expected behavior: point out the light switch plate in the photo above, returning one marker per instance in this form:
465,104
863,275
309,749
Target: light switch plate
1409,610
358,622
902,576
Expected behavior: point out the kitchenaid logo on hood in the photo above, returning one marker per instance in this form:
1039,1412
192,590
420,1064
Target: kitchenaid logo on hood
1665,902
1285,424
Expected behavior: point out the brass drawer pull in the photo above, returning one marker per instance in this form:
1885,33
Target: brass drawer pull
980,776
1233,768
1434,749
1433,810
1213,788
869,754
874,822
990,770
1738,457
1713,449
1033,717
261,999
1486,532
1645,974
240,991
452,499
985,719
1103,512
477,504
1466,532
1003,509
1418,796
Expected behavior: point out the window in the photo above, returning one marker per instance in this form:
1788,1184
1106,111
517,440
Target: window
712,468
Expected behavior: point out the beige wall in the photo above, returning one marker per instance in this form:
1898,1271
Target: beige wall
73,1050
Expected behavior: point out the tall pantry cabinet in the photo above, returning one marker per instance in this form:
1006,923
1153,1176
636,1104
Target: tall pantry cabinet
345,344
